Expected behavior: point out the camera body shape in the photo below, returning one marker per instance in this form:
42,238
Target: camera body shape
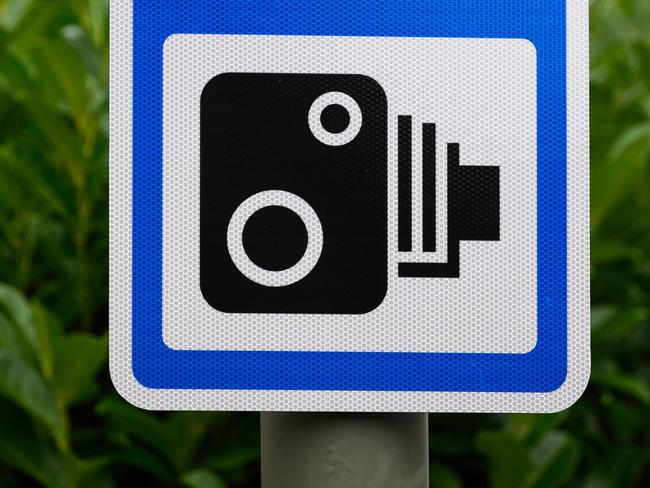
293,193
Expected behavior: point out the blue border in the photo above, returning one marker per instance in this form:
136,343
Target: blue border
543,22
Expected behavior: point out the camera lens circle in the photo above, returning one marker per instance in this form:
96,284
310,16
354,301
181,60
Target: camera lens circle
325,118
275,238
335,118
279,276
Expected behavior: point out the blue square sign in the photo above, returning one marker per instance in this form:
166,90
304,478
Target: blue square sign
349,206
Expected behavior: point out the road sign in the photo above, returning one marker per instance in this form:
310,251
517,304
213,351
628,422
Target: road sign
364,206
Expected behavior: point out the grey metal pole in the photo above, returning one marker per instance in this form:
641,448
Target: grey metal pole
345,450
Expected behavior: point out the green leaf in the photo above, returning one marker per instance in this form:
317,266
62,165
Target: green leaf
29,19
12,13
617,178
610,323
141,425
13,79
96,472
636,387
507,458
442,477
98,10
555,459
636,134
10,342
22,448
147,462
530,428
64,141
235,459
21,384
48,330
19,313
623,418
78,358
202,478
82,44
39,186
189,430
605,251
59,63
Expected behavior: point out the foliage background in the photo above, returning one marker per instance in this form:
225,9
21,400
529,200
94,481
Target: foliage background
63,425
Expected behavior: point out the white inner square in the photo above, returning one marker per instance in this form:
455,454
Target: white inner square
481,94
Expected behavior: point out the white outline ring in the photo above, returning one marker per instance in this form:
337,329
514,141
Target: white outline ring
235,241
331,138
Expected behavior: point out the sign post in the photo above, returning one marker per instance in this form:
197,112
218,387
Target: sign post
339,450
363,206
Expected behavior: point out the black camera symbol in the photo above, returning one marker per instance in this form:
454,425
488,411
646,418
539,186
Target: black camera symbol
294,195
